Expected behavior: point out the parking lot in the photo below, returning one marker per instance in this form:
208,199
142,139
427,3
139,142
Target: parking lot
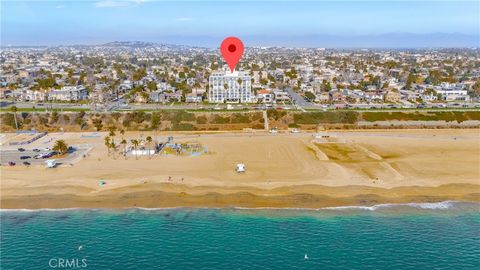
7,156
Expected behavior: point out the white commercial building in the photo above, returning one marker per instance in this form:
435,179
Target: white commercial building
25,94
452,92
69,93
230,87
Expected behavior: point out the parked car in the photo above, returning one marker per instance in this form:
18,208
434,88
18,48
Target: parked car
26,163
36,150
49,154
25,157
11,163
21,149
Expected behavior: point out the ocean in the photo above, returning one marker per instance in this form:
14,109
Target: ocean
443,235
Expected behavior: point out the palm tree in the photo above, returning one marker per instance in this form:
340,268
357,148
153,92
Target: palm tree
14,110
113,146
107,144
149,142
124,142
60,146
112,132
135,144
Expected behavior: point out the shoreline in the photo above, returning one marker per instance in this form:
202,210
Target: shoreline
426,205
151,197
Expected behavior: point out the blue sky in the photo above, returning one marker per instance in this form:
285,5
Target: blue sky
204,22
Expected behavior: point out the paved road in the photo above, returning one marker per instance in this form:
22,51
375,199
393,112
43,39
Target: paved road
299,100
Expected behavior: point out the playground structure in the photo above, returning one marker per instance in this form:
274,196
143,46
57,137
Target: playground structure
183,149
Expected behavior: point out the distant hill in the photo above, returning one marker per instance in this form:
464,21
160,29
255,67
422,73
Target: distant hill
388,40
138,44
144,44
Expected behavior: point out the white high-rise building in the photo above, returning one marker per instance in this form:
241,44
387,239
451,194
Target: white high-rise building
230,87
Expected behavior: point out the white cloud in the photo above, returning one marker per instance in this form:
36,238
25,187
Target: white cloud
117,3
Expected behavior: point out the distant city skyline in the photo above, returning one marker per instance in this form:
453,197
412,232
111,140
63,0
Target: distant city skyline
269,23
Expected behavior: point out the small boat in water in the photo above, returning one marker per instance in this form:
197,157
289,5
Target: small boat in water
306,256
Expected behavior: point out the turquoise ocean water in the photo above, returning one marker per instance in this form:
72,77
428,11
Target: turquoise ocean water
415,236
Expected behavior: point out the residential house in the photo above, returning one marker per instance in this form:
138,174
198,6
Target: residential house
322,97
374,96
281,96
392,96
337,96
265,96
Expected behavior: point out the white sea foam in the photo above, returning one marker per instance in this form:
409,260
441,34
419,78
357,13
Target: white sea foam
436,205
432,206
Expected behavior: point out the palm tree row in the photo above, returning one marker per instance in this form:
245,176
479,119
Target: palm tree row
110,143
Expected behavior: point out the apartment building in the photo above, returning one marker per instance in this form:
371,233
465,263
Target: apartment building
231,87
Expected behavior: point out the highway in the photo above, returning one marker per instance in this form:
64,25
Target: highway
299,103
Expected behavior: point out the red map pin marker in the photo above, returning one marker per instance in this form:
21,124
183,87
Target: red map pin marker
232,51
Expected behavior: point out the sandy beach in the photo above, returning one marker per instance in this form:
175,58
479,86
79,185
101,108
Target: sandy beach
305,170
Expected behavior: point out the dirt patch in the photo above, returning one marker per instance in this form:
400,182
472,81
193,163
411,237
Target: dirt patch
344,152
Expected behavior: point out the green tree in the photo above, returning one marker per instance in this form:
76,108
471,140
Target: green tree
111,132
124,143
98,124
149,142
139,74
476,87
152,86
410,79
107,143
325,87
310,96
113,146
135,144
60,146
14,110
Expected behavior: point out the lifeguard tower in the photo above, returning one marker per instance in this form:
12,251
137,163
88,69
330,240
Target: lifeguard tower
240,168
51,163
